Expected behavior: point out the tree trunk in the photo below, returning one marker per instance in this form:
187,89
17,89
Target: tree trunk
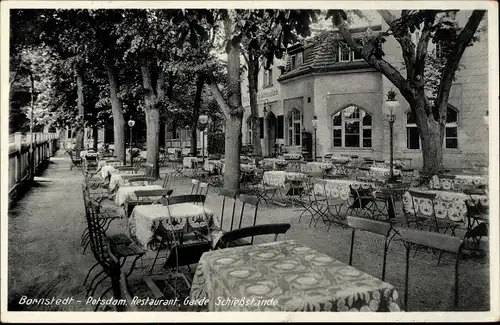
117,111
152,141
235,116
253,75
431,136
152,122
81,111
200,81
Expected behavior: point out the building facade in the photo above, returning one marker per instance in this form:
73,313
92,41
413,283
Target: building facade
327,80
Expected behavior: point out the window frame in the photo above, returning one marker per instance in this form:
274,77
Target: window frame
340,46
249,130
268,77
342,128
292,121
453,124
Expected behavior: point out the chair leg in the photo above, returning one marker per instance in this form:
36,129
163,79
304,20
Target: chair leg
156,257
92,282
406,277
352,247
133,266
88,273
386,247
98,283
102,296
439,258
456,281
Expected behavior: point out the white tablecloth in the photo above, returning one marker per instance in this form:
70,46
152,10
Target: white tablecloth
108,170
381,171
127,192
448,184
145,220
449,205
243,167
211,165
118,179
339,188
279,178
188,161
316,167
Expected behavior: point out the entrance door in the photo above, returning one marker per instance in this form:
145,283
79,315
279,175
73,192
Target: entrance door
271,134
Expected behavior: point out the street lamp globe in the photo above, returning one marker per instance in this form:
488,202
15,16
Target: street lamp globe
203,119
131,123
315,122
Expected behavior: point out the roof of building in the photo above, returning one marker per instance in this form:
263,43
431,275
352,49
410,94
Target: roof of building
320,54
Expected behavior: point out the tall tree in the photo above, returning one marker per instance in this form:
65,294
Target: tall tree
426,96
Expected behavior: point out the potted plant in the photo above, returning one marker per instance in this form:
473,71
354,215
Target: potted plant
391,97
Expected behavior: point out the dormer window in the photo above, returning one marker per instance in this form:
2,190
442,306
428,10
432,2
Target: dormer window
346,54
296,61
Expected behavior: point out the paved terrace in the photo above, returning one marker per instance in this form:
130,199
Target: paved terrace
45,258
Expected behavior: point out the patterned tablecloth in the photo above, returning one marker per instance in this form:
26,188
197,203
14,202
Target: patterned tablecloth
293,156
447,184
449,205
286,276
127,192
340,188
146,219
316,167
117,179
381,171
273,162
279,178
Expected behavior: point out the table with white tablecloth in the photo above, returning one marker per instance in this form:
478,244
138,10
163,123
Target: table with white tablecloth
119,179
443,183
340,188
286,276
381,171
145,220
279,178
450,205
189,162
316,167
128,192
212,165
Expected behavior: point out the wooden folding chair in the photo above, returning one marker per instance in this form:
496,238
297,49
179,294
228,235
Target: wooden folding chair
376,227
431,240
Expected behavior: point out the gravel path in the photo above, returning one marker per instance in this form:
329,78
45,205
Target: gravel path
46,260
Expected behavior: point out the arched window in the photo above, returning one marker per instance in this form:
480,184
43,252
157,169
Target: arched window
450,135
352,128
295,121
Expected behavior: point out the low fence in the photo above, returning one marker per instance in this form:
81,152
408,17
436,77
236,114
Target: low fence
26,160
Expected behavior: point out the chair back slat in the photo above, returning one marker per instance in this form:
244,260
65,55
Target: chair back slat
377,227
147,193
259,230
422,195
434,240
190,198
141,179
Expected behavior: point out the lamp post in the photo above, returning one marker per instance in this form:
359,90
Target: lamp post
315,127
203,120
131,124
390,114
